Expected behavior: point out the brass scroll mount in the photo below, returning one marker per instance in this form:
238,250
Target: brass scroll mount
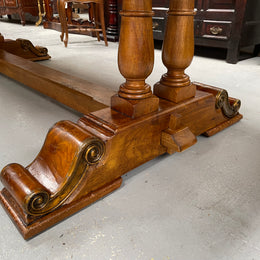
215,30
223,102
229,106
28,46
90,153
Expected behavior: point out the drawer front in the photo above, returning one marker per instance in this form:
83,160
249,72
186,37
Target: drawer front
219,4
216,29
11,3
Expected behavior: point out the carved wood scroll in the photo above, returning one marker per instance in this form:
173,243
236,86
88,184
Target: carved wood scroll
24,48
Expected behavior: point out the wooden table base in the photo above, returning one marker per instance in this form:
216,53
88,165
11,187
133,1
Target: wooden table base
81,162
128,144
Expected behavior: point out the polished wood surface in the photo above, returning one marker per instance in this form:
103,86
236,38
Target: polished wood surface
76,93
136,60
24,49
81,162
175,85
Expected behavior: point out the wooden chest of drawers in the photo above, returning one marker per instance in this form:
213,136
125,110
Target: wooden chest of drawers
229,24
19,6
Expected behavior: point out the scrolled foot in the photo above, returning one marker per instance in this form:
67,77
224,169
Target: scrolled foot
229,106
229,109
24,49
46,183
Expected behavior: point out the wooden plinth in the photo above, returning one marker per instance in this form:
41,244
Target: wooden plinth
134,108
128,143
28,231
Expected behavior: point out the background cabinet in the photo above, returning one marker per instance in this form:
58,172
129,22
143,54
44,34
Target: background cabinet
229,24
19,6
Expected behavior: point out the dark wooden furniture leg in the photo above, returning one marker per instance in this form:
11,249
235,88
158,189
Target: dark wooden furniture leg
98,21
233,54
112,27
233,48
256,50
81,162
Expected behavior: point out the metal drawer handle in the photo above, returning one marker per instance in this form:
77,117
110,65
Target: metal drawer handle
155,25
216,30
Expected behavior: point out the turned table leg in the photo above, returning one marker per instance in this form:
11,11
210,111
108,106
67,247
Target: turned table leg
81,162
135,60
178,51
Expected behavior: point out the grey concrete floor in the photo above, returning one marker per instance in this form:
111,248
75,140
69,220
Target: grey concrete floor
202,204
